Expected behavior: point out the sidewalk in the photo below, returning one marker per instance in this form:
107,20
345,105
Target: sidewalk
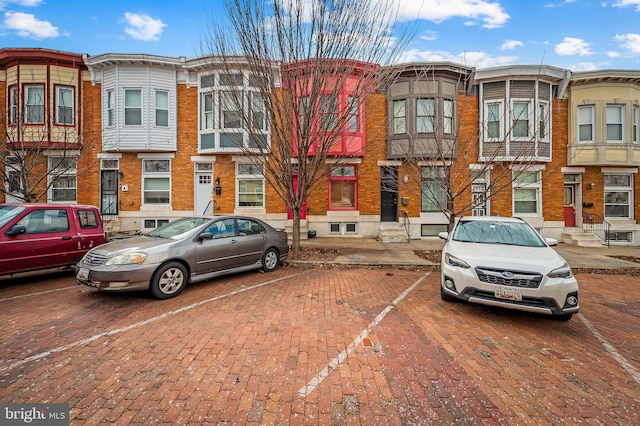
369,251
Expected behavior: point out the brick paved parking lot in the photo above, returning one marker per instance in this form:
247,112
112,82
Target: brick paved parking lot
296,346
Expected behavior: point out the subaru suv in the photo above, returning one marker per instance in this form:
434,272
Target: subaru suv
501,261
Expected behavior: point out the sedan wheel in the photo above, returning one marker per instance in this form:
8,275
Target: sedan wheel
168,281
270,260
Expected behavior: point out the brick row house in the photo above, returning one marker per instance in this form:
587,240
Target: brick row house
160,136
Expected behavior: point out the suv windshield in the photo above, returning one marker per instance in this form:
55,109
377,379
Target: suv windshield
8,212
178,227
497,232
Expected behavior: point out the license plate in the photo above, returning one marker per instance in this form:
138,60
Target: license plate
83,274
509,293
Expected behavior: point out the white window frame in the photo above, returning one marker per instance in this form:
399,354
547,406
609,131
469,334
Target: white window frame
208,111
500,121
250,172
516,120
543,121
133,108
591,109
65,114
111,108
636,124
619,124
34,108
530,186
611,188
149,175
161,110
69,173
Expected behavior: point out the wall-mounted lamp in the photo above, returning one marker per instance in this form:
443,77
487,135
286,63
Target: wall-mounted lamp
591,186
218,188
120,175
405,179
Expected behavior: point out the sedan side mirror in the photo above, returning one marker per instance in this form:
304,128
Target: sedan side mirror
205,236
16,230
443,235
551,241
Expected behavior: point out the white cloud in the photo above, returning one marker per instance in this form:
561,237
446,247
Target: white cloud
625,3
613,54
24,3
573,46
143,27
472,59
429,36
511,44
490,13
27,25
630,42
584,66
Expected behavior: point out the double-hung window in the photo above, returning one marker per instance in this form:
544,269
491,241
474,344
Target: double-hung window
526,193
250,181
400,117
447,117
425,115
162,108
64,105
493,120
615,123
13,105
34,104
586,118
329,112
231,107
618,196
543,121
343,188
521,121
636,124
353,109
434,189
111,108
63,172
156,181
132,107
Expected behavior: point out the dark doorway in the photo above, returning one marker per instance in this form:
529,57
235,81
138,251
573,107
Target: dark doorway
389,194
109,192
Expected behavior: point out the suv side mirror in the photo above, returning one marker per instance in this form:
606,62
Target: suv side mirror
16,230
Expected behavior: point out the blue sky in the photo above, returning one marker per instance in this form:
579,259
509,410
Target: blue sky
577,34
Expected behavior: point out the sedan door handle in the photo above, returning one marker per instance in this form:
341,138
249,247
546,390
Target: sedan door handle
66,238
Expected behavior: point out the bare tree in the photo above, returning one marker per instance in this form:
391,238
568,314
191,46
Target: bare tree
41,149
301,55
461,170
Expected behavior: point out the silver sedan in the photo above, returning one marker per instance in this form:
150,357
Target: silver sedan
189,249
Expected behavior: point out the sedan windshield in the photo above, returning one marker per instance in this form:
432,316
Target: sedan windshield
488,232
178,227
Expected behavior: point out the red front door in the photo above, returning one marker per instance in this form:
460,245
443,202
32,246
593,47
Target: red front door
569,206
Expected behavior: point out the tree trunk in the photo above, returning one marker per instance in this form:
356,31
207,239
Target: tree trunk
295,238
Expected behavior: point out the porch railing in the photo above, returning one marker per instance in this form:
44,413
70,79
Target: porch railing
406,223
597,225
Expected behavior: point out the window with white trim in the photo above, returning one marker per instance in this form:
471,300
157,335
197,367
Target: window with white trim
111,108
13,184
63,173
543,121
636,124
64,105
618,196
34,104
132,107
615,123
434,189
343,187
156,181
400,117
162,108
13,105
526,193
425,115
250,184
258,111
208,117
521,120
586,119
494,130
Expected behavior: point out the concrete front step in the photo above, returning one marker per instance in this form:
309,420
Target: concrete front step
582,239
392,232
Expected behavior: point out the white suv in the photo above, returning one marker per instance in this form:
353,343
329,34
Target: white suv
502,261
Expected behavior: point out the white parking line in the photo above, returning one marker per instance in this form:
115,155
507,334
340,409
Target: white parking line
138,324
313,383
22,296
621,360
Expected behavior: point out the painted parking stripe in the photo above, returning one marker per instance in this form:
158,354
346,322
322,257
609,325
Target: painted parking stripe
22,296
618,357
334,363
139,324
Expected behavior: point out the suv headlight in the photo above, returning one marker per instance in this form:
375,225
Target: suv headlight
562,272
454,261
127,259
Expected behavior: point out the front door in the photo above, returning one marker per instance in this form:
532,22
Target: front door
203,203
109,191
569,206
389,194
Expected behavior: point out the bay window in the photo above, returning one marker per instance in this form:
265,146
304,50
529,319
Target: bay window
132,107
520,120
64,105
493,122
34,104
586,118
615,123
425,115
162,108
400,117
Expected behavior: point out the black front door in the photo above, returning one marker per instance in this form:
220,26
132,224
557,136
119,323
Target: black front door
389,194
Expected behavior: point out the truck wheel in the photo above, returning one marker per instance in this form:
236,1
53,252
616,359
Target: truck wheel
270,260
168,281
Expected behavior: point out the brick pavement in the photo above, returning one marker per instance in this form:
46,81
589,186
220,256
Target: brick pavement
241,349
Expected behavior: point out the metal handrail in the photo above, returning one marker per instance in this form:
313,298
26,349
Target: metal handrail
598,226
406,223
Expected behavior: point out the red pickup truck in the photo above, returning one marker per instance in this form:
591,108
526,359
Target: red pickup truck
44,236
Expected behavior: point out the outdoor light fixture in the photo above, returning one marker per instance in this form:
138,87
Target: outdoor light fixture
591,186
218,189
